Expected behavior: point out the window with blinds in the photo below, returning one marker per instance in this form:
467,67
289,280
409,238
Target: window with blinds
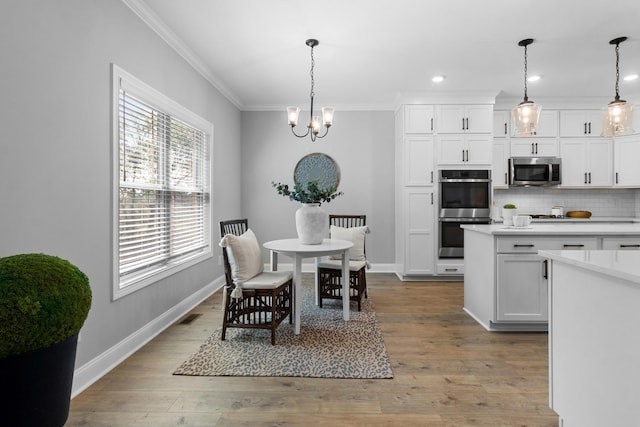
163,201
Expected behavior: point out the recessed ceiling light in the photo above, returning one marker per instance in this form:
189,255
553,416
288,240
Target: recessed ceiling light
534,78
630,77
438,79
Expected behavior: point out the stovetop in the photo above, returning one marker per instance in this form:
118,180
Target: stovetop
542,216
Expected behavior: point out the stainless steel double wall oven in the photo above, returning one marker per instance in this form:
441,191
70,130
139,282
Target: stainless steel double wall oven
465,198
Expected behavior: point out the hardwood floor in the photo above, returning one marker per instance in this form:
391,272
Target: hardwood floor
448,371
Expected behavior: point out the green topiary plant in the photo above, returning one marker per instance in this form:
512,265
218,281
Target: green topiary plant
43,300
509,206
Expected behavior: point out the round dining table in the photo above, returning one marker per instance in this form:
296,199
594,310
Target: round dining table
297,251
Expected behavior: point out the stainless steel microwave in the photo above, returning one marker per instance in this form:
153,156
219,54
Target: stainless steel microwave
534,171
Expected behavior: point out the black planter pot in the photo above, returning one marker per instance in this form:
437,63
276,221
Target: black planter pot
36,386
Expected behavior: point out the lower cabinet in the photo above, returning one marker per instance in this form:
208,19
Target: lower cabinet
521,292
419,238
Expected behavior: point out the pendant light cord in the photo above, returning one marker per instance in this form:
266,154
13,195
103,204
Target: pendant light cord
526,98
617,71
313,63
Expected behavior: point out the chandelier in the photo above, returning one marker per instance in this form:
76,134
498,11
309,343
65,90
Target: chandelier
525,115
618,113
313,128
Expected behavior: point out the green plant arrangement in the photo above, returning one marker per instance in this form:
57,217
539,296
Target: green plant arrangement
43,300
312,194
509,206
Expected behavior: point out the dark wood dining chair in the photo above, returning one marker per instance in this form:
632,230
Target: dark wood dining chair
261,301
330,271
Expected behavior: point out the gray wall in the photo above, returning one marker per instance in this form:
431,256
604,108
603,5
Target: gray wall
55,165
361,142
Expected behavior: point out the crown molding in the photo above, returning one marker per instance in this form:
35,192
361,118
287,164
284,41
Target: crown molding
153,21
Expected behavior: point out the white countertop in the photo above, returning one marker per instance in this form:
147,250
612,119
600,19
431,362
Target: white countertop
563,228
621,264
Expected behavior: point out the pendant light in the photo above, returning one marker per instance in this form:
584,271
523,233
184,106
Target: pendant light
313,128
618,113
525,115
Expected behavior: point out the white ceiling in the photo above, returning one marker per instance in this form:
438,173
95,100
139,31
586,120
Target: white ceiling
371,51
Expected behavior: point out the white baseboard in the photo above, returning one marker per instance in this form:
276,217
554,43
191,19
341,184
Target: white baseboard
93,370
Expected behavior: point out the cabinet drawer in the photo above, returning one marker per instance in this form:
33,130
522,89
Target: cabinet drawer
516,245
450,268
621,243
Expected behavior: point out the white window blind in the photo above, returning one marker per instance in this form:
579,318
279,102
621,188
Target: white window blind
163,185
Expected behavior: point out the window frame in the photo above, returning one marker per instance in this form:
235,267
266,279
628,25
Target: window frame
132,282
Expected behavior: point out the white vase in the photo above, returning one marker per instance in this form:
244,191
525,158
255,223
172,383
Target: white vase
507,216
312,224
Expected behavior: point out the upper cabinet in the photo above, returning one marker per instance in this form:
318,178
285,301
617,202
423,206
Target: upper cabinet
548,124
580,123
418,161
587,162
418,119
625,164
464,119
501,123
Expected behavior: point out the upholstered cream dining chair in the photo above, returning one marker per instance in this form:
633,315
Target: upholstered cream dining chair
354,229
253,298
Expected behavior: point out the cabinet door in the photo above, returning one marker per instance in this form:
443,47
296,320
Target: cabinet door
419,233
580,123
521,288
418,161
418,119
534,147
451,150
479,118
499,178
501,122
600,163
548,124
479,149
626,155
574,163
450,119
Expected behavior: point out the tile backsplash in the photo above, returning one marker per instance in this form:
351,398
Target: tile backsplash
607,203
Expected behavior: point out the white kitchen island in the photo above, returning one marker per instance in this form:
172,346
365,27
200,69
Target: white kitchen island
505,281
594,340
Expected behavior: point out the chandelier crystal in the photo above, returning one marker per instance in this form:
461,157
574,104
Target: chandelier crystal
313,128
525,116
618,113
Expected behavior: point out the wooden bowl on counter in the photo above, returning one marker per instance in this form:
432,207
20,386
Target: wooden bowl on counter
579,214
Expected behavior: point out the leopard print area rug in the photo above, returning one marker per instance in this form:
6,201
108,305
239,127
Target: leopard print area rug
327,347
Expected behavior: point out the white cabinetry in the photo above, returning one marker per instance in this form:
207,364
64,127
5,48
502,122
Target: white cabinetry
621,243
464,119
464,149
587,162
419,248
418,161
501,123
626,155
522,288
580,123
418,119
500,164
415,199
521,284
534,147
548,124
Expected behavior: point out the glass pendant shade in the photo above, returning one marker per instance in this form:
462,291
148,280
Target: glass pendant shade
618,119
525,117
292,114
618,115
327,116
